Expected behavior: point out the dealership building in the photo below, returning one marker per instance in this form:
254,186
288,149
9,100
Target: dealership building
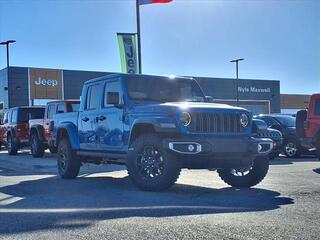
21,86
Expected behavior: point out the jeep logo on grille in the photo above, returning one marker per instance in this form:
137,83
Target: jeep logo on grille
46,82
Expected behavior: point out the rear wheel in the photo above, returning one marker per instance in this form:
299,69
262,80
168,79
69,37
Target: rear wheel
245,178
11,146
68,163
37,148
291,148
150,166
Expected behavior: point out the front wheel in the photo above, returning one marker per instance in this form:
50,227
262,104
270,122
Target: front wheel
245,178
37,148
291,148
150,166
68,163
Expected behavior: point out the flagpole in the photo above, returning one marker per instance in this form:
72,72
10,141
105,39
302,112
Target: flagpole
139,35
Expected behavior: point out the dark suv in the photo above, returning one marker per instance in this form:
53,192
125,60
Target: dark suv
286,124
15,127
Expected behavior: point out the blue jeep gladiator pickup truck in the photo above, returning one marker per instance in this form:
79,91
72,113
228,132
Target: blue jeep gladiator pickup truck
156,126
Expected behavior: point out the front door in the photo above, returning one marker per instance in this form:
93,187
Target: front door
111,124
88,122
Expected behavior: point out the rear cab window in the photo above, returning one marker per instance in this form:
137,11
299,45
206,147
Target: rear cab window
112,87
92,97
26,114
317,108
61,108
51,111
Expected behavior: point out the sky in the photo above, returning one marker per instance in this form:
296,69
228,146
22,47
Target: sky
279,39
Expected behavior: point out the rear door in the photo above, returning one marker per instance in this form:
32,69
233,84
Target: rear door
110,118
314,119
51,110
88,122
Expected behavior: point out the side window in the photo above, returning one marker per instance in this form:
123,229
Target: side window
92,97
112,88
14,116
317,108
61,108
51,111
5,118
9,116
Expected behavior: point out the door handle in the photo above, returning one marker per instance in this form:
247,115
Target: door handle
85,119
101,118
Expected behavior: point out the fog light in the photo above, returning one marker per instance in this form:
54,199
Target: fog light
190,148
259,147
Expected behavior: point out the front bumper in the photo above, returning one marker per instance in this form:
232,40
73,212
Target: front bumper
218,152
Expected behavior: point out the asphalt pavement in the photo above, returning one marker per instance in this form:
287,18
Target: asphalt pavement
102,203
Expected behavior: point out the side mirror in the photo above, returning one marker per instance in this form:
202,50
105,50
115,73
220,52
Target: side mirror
209,99
113,98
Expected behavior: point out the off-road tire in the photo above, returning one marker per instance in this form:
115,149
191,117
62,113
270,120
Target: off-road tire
11,146
67,161
53,150
36,146
293,142
255,175
169,166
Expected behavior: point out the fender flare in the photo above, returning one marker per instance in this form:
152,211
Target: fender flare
71,131
39,130
154,122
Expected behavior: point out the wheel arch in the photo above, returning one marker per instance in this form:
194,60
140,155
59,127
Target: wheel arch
139,129
68,131
37,129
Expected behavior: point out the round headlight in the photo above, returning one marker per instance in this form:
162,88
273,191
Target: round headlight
244,120
185,118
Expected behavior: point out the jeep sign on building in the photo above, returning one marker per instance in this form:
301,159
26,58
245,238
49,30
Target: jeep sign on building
36,86
45,84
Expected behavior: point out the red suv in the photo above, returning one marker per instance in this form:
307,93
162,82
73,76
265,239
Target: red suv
40,135
15,127
308,124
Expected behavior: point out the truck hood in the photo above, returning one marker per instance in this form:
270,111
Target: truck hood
184,106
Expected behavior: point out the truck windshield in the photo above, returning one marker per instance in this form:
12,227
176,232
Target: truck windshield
25,114
164,90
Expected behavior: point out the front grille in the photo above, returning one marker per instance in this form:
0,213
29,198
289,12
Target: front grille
215,122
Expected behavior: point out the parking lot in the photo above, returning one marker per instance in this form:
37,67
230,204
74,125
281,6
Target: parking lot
102,203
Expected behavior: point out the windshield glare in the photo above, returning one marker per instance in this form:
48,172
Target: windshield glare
164,90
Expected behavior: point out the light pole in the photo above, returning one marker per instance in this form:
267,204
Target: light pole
7,44
237,75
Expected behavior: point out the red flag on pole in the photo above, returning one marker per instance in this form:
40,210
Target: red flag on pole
142,2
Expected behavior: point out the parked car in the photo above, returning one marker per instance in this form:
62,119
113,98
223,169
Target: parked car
156,126
308,124
286,124
40,135
15,127
271,133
